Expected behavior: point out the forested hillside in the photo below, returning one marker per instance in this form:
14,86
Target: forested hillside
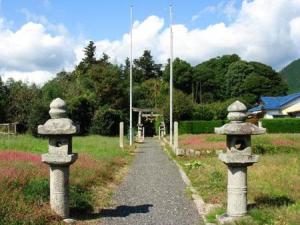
97,91
291,73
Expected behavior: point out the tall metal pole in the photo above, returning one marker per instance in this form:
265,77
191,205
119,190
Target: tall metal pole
130,114
171,77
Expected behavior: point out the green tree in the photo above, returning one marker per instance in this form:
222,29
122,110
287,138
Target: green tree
148,94
145,68
219,67
3,101
203,112
80,111
252,80
182,75
204,85
20,101
39,115
106,121
105,81
90,52
183,106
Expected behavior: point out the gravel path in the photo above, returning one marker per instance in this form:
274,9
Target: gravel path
152,193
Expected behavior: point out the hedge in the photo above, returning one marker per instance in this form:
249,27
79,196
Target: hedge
199,126
282,125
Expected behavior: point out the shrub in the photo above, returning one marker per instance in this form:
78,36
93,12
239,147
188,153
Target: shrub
183,107
80,200
36,190
106,121
203,112
282,125
198,127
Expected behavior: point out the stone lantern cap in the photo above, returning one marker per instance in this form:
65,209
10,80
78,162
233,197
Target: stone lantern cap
59,124
237,124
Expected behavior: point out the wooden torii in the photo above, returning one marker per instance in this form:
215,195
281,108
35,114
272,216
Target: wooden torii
149,114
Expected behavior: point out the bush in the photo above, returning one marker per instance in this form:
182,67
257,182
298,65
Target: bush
282,125
198,127
183,107
37,190
80,200
106,121
203,112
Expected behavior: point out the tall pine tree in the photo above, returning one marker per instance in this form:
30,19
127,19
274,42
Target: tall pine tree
90,52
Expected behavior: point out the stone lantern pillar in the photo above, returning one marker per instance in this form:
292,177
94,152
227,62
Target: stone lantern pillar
237,157
159,135
162,129
140,128
175,145
121,134
59,129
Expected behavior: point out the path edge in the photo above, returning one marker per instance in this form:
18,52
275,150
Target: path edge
202,208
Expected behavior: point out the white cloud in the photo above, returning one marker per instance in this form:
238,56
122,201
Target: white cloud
225,7
230,9
38,76
263,30
33,52
146,35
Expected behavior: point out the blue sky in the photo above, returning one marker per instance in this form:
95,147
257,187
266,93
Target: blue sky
96,19
39,38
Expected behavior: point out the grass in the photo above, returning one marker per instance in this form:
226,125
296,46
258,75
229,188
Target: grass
273,183
24,179
98,147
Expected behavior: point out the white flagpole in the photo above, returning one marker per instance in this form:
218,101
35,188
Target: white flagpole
130,119
171,77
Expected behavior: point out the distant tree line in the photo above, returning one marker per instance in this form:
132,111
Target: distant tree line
97,91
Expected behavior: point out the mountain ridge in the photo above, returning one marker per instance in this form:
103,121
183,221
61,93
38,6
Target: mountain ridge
291,73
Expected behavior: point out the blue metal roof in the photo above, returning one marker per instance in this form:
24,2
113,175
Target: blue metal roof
273,103
257,108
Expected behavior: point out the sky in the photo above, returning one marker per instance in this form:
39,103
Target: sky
39,38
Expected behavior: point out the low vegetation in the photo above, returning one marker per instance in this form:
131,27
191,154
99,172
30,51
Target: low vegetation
282,125
273,183
24,179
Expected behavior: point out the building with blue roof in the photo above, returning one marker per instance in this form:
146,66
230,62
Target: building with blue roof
280,106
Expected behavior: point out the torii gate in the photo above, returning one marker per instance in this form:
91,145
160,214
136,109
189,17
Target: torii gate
149,114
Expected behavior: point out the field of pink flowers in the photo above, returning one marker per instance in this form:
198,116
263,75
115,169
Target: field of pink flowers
24,183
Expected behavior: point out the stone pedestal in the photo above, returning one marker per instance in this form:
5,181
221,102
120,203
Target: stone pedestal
59,190
121,131
237,157
175,146
139,137
162,129
59,129
237,191
159,135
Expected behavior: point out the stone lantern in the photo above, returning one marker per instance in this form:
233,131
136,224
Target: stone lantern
162,129
237,157
140,129
59,129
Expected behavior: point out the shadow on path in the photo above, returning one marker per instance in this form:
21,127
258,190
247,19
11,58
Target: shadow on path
124,210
